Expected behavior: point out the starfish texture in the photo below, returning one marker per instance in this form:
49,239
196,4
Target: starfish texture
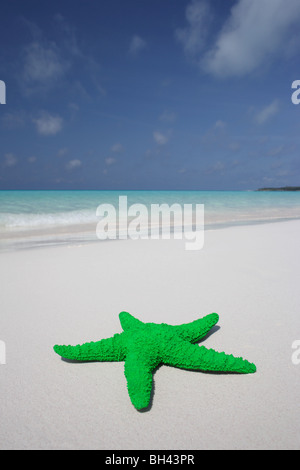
143,346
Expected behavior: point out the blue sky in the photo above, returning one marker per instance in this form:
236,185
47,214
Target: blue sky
149,94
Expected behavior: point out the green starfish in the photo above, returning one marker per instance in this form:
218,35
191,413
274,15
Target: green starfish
143,346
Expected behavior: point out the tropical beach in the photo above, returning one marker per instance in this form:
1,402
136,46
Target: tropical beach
149,227
73,293
30,219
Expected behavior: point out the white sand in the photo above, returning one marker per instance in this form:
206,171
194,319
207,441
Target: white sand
70,295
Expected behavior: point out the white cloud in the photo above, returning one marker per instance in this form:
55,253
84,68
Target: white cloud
63,151
168,116
73,107
68,35
276,151
45,63
255,32
220,124
218,166
117,148
234,146
193,36
42,63
137,44
13,120
10,159
110,161
48,125
267,112
73,164
160,139
216,133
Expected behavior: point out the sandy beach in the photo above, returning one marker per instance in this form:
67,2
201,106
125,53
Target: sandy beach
72,294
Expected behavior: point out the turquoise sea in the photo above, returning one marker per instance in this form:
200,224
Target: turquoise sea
37,218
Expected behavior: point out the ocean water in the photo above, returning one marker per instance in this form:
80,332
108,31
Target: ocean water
38,218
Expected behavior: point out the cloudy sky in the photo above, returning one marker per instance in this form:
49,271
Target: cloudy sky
149,94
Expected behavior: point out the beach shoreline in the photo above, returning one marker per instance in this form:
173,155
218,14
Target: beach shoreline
31,219
20,239
72,294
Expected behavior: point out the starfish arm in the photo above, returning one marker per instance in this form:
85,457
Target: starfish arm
197,329
108,349
139,380
129,321
189,356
